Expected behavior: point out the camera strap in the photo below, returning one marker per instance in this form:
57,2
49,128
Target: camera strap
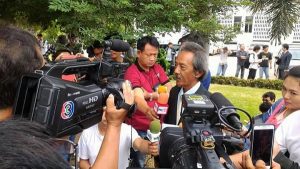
228,163
130,158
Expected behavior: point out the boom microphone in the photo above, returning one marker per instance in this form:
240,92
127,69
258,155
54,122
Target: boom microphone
117,45
154,131
230,114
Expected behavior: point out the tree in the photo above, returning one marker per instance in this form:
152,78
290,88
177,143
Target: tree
136,17
94,19
27,12
284,14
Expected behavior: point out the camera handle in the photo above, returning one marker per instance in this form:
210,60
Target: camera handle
207,152
202,134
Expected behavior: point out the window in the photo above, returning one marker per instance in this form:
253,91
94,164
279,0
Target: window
248,24
237,22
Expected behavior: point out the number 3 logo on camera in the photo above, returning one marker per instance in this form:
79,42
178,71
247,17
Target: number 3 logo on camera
67,110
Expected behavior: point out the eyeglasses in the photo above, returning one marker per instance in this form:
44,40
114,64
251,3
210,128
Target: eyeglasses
66,148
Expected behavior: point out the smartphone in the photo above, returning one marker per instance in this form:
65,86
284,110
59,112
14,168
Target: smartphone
262,139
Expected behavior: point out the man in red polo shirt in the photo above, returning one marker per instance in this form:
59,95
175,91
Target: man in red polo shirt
145,76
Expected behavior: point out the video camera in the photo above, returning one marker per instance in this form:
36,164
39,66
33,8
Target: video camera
201,142
66,107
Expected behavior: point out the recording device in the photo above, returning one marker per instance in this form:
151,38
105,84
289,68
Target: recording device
262,140
116,45
230,115
65,107
114,69
154,131
201,142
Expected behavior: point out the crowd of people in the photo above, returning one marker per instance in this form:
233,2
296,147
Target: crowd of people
256,59
117,138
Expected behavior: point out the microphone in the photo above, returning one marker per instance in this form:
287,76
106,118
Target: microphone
154,131
117,45
161,105
230,114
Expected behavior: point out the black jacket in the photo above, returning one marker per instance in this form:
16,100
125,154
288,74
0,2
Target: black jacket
285,59
171,115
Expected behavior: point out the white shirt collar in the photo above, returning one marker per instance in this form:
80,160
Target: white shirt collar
179,100
192,90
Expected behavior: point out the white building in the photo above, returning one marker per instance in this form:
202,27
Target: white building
255,28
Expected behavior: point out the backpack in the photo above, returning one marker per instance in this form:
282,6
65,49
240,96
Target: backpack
247,63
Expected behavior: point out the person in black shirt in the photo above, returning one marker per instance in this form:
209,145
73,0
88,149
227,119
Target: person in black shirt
266,58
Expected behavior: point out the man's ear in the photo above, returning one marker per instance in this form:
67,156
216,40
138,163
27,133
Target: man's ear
139,52
198,74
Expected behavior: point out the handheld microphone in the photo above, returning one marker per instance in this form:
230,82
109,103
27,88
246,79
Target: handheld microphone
161,105
154,131
117,45
230,114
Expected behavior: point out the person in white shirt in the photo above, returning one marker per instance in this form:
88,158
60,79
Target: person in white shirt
287,136
223,62
171,57
91,139
254,62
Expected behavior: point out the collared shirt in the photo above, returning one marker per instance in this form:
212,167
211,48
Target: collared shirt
148,81
193,90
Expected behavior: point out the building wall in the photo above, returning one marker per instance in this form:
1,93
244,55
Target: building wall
261,26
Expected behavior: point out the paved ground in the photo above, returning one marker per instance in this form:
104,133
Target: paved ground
214,62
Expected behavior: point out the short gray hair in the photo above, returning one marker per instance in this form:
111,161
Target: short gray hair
200,60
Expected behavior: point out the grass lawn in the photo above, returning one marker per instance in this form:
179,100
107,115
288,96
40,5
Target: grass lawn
246,98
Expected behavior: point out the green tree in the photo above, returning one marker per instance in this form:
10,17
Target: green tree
284,14
94,19
27,12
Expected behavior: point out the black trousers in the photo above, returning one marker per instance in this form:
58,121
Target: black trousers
252,74
281,74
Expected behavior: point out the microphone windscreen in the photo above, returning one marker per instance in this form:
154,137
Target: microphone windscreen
155,126
119,45
220,100
162,89
163,98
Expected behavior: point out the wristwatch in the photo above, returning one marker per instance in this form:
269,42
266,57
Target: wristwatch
128,107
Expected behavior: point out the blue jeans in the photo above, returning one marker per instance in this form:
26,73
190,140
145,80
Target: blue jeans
221,69
264,70
138,158
238,69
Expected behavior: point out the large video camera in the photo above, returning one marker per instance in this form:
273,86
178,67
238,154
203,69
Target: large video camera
202,141
66,107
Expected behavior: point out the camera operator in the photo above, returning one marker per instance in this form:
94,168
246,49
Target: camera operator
95,51
191,67
25,144
19,54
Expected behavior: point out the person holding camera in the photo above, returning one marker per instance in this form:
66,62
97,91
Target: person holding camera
91,139
26,144
95,51
19,54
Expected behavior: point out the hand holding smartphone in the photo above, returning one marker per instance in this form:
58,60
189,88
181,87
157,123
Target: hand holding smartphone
262,140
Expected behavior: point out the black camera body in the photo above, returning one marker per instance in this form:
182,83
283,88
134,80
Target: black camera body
200,143
66,107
